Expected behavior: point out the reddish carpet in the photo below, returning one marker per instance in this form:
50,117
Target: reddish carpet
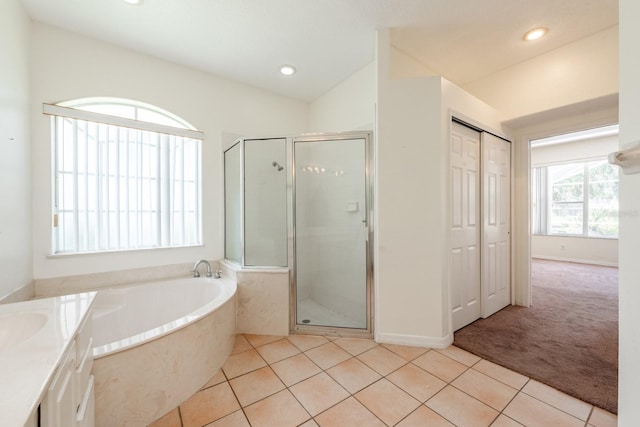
568,338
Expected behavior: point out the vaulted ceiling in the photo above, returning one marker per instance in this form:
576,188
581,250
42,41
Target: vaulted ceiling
328,40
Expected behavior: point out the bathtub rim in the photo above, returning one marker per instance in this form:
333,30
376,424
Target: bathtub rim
228,289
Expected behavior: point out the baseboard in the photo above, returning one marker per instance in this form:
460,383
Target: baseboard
579,261
414,340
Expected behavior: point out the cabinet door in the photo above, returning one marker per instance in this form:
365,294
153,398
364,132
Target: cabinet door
59,405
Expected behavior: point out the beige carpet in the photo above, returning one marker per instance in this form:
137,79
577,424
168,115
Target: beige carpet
568,339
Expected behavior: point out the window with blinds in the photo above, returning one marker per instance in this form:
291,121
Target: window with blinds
121,183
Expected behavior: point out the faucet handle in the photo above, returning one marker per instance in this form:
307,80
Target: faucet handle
217,274
196,273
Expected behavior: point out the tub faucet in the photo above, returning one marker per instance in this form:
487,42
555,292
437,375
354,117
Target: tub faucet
195,271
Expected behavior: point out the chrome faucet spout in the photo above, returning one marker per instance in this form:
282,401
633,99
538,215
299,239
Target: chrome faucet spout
195,271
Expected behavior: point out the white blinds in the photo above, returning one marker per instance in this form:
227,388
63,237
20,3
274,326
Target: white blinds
122,184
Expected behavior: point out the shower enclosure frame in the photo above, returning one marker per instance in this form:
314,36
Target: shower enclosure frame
300,328
290,141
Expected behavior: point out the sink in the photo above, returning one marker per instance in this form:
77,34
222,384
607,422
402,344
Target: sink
18,327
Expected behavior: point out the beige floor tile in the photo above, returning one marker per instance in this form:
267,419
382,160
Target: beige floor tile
307,342
242,363
278,410
533,413
236,419
485,389
277,350
258,340
216,379
310,423
462,409
422,417
387,401
504,421
417,382
440,365
241,344
408,353
327,355
208,405
256,385
355,346
504,375
349,412
353,375
558,399
382,360
318,393
172,419
460,355
601,418
295,369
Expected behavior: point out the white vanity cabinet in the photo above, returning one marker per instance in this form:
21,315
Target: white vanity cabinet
69,400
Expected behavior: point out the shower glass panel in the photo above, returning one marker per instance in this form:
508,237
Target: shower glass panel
331,217
265,202
232,204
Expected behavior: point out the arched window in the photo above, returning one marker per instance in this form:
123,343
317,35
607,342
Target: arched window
127,175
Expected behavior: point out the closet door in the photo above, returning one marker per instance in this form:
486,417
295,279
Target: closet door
496,220
465,225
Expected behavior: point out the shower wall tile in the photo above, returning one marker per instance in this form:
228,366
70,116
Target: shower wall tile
263,302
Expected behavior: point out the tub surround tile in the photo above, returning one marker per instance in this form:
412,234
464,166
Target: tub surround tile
23,293
263,302
208,405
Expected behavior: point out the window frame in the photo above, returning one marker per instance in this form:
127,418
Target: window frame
67,111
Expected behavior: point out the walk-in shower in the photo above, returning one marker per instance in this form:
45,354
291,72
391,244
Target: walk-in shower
305,203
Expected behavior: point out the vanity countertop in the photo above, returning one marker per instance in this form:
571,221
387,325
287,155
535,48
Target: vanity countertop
34,336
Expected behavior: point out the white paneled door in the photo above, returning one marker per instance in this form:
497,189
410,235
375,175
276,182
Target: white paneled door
479,224
496,220
465,225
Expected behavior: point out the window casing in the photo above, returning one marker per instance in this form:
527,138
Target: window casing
121,183
575,199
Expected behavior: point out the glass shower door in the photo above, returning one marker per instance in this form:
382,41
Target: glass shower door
331,233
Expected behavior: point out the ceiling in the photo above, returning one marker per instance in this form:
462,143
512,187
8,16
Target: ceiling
328,40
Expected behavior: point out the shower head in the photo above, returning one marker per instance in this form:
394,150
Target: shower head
277,165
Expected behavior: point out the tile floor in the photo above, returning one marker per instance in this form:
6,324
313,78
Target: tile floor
305,380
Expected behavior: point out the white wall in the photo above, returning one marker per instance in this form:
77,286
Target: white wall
15,146
629,350
348,106
67,66
583,70
412,263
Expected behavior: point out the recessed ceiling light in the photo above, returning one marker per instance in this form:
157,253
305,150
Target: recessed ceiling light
534,34
133,2
287,70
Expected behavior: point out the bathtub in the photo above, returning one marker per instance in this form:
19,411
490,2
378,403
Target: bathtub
156,344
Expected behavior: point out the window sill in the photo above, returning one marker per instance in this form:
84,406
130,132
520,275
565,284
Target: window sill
119,251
